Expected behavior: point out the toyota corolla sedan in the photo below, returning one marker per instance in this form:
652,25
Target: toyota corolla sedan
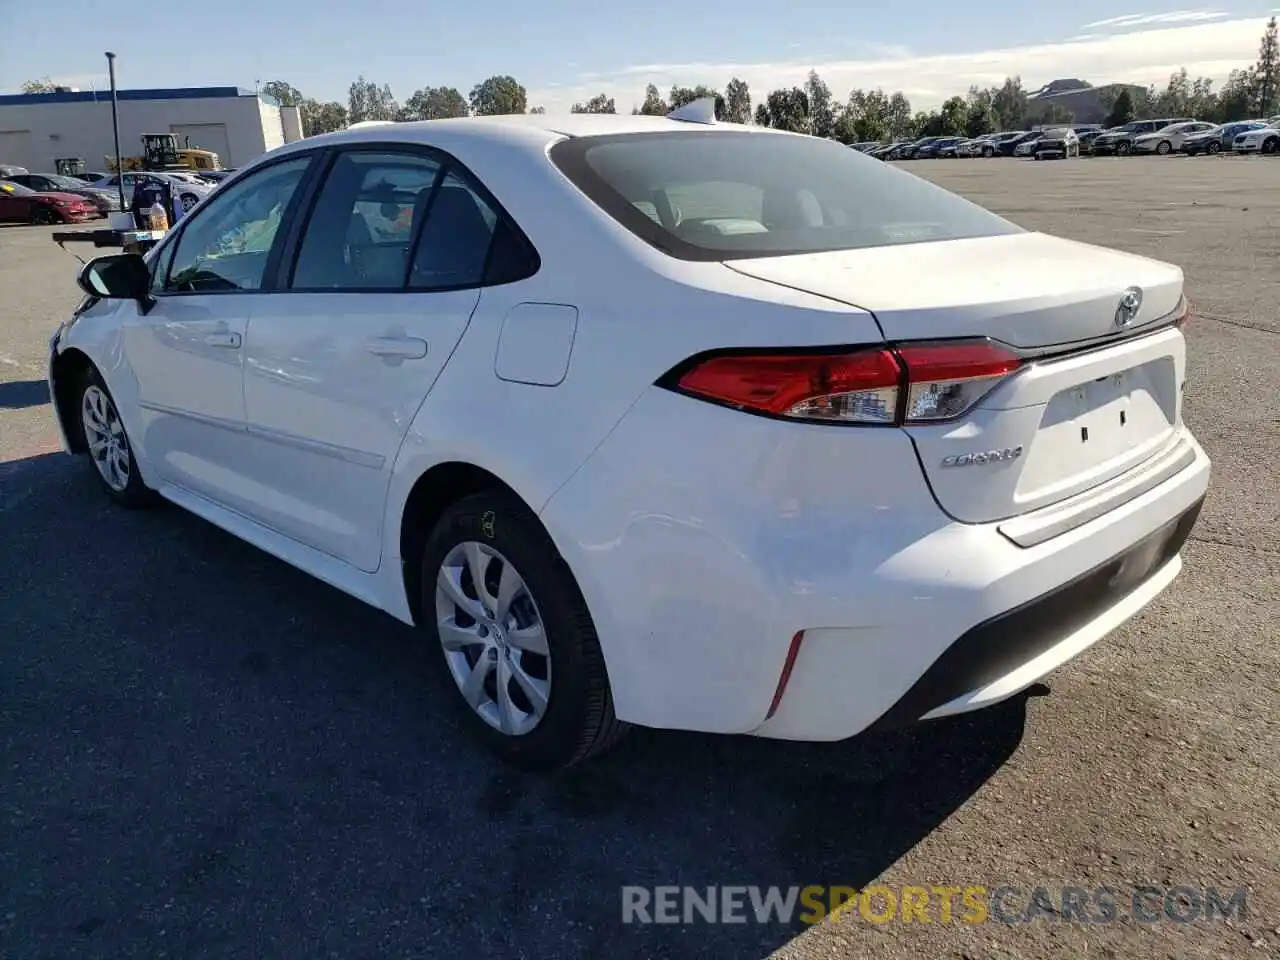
654,421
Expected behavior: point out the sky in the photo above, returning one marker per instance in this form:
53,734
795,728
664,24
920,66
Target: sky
564,51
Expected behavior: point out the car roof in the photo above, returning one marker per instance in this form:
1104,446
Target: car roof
516,127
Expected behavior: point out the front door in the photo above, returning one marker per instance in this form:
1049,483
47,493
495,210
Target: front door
187,349
388,272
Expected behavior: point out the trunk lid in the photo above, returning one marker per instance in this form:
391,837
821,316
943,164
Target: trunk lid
1082,415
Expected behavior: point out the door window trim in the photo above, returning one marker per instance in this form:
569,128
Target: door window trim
448,164
270,269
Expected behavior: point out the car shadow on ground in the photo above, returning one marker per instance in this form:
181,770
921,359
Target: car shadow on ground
21,394
209,751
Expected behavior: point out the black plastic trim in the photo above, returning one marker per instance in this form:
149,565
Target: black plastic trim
997,646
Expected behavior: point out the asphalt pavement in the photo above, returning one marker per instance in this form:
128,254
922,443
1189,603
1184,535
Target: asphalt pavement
205,753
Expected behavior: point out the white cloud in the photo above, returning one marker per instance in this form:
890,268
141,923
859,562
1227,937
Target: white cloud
1143,56
1143,19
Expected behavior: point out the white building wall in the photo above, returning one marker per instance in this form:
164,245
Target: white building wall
83,129
272,125
291,117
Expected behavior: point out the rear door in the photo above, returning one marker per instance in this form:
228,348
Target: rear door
388,270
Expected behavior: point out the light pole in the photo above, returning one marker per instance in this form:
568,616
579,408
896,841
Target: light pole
115,126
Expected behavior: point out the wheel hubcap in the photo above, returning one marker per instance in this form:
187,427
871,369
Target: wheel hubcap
493,637
104,434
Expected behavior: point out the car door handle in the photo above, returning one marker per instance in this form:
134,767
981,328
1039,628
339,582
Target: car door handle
223,340
407,348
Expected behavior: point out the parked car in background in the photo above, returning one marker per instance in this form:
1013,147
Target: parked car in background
1263,140
1119,140
215,177
1009,147
1059,142
949,149
105,200
1169,139
884,151
931,150
1027,147
1086,141
19,204
1219,138
912,150
187,188
898,151
990,145
91,176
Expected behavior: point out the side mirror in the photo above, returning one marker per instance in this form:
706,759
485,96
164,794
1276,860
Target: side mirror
119,276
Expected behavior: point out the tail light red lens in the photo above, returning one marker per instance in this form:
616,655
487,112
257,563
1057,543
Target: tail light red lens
859,387
914,383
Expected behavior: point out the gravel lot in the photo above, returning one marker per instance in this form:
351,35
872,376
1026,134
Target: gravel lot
204,753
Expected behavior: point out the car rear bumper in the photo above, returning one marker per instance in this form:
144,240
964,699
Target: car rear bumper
704,552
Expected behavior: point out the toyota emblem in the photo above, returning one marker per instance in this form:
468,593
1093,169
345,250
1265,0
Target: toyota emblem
1130,304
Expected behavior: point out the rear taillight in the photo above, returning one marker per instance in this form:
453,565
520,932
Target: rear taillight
886,386
858,387
946,379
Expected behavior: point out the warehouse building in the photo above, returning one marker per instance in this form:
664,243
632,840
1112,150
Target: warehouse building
238,125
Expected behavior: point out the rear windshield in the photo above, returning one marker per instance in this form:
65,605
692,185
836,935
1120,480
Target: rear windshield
719,195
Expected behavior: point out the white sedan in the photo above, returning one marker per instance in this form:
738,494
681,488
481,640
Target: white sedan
1169,139
654,421
1263,140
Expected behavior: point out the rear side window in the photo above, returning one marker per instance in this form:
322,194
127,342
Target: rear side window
719,195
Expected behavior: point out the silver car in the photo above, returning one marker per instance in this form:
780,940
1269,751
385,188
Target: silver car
187,189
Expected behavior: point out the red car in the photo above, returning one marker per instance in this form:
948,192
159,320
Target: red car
18,204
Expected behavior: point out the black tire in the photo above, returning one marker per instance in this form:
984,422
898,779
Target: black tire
579,722
188,201
135,494
42,216
1164,148
1122,149
1270,146
1214,146
988,152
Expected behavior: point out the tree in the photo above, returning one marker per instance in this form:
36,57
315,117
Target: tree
538,109
737,102
980,116
822,114
899,119
1267,72
788,110
597,104
318,118
654,105
954,113
38,86
1010,104
1236,98
434,103
1121,110
285,93
762,117
367,101
498,95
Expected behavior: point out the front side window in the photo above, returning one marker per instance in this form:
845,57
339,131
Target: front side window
721,196
225,248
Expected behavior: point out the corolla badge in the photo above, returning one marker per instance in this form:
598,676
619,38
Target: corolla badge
983,456
1130,304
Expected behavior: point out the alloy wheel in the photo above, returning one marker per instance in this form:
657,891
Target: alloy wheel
108,446
494,638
